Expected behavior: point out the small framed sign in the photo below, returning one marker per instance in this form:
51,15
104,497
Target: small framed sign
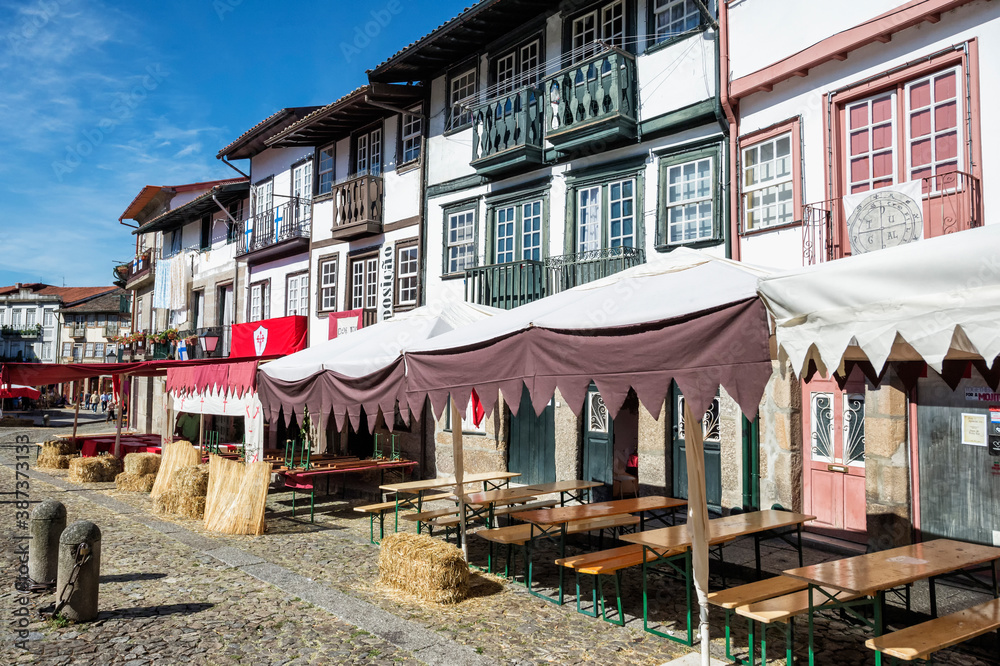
974,429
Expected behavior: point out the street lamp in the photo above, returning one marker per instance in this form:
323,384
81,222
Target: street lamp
208,342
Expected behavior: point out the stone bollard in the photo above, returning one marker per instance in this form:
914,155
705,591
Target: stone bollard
48,520
76,593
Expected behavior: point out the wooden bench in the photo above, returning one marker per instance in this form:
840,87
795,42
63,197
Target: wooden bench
922,640
751,593
374,510
784,609
450,521
609,563
520,534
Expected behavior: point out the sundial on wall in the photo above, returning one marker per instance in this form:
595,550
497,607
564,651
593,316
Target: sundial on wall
884,218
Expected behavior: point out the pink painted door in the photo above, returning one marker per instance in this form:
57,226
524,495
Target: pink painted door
834,458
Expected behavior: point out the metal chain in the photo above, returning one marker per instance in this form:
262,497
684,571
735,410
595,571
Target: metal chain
82,556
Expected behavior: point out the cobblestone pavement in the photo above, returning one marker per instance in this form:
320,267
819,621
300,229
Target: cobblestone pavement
194,608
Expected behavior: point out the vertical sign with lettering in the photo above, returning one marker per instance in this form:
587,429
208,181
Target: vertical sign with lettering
388,275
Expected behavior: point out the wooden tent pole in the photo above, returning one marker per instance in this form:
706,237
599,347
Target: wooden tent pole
458,455
76,416
201,431
118,416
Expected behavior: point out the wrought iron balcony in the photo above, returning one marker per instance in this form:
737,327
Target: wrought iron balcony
507,285
507,132
281,225
951,202
593,100
571,270
357,207
29,333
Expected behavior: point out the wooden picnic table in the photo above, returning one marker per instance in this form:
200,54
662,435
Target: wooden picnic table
305,479
872,574
720,530
486,501
552,524
490,481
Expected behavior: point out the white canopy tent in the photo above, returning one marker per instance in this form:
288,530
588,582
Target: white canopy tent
932,300
685,317
220,402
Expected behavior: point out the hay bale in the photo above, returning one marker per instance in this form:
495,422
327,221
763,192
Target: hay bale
174,503
51,460
141,464
175,456
86,470
112,466
134,483
237,495
424,567
59,447
187,496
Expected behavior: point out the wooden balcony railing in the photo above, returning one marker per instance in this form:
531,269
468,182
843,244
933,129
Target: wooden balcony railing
593,99
507,131
358,207
515,283
952,201
285,222
507,285
140,268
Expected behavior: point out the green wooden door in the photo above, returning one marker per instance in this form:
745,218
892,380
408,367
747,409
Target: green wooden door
532,450
598,440
713,453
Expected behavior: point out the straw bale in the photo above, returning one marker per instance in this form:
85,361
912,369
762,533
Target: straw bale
427,568
175,456
112,466
89,470
142,464
174,503
134,483
59,447
192,481
51,460
237,494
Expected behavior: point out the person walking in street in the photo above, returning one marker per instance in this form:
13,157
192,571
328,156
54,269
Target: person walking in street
94,400
86,400
104,402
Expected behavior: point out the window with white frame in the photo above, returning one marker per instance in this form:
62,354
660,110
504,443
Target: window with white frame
302,191
605,24
324,170
368,153
689,201
518,231
588,215
460,241
412,129
606,215
406,276
768,188
98,350
259,301
364,283
29,317
328,284
89,350
67,349
48,318
47,351
264,199
3,316
77,352
621,213
460,97
15,318
673,17
468,420
297,295
517,68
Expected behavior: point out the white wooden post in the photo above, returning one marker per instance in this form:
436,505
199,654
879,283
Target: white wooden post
457,454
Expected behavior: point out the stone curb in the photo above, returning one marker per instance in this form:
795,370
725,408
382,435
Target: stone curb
425,644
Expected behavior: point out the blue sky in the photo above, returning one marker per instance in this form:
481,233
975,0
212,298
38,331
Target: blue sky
99,99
